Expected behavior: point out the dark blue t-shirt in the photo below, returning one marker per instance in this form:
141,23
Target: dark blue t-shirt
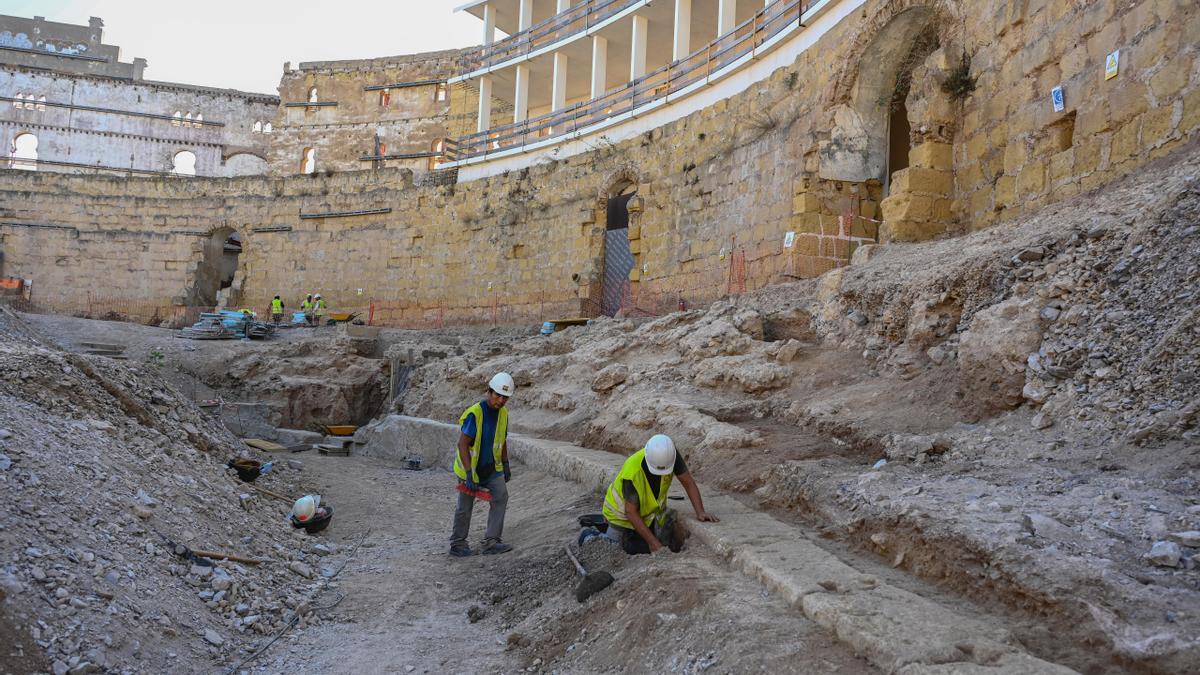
487,464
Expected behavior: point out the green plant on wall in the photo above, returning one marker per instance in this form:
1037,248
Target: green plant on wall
961,82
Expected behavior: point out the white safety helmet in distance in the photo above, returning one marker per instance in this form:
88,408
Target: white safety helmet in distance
660,455
305,507
502,383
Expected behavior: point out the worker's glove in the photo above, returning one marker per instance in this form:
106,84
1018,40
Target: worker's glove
471,484
507,473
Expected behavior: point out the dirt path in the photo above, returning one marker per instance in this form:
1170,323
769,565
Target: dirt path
406,602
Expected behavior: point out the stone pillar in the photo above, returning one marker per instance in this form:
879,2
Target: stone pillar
521,94
921,201
489,24
683,30
485,103
599,66
558,92
637,52
726,16
525,15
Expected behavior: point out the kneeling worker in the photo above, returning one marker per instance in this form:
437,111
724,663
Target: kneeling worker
635,505
482,462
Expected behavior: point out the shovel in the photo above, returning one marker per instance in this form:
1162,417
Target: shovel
592,583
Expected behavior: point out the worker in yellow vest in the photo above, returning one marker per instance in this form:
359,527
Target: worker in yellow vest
318,309
276,310
482,463
307,308
635,505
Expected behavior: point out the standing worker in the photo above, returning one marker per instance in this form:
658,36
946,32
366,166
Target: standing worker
635,505
318,309
276,310
482,462
307,308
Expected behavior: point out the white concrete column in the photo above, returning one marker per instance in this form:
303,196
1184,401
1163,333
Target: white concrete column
489,24
726,16
683,29
558,94
521,94
485,103
525,14
637,52
599,66
563,5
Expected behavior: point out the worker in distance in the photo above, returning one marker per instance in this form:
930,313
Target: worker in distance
482,463
635,505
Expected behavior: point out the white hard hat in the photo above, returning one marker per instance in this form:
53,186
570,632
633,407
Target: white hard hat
305,507
502,383
317,295
660,455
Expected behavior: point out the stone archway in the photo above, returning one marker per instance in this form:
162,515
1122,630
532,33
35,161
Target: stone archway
620,253
894,124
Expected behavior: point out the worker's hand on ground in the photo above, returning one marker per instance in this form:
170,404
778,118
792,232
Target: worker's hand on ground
507,473
706,517
656,547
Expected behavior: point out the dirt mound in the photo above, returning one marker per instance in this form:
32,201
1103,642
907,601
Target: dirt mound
306,382
100,464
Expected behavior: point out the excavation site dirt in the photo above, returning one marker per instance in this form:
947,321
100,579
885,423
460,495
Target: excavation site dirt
975,455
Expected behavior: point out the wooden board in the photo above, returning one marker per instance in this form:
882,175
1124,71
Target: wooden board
266,446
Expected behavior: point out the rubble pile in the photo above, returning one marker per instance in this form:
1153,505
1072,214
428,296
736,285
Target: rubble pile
102,468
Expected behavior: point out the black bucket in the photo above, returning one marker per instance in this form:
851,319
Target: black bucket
318,522
595,520
247,469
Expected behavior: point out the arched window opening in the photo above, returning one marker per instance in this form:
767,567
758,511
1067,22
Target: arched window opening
308,160
199,119
41,105
267,128
258,127
176,118
184,163
385,98
312,95
438,148
24,152
440,93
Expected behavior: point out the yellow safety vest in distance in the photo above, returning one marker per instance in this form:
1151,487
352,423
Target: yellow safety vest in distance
277,307
306,306
650,505
497,441
320,305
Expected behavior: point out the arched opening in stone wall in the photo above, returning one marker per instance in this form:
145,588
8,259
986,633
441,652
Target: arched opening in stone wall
619,259
184,163
870,138
24,152
215,272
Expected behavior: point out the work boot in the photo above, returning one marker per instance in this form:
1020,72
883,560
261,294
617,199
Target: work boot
496,546
460,551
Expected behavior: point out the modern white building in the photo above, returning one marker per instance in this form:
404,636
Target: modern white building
573,71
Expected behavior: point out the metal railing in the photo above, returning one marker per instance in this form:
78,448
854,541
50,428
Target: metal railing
654,86
577,19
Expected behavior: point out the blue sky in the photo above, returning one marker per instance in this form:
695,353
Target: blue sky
243,44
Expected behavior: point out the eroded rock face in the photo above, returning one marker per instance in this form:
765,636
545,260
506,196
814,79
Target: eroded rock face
993,353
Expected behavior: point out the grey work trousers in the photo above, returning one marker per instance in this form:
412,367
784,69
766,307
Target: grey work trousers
495,524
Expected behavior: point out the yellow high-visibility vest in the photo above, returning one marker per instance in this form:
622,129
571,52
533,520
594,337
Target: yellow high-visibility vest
650,505
497,441
277,306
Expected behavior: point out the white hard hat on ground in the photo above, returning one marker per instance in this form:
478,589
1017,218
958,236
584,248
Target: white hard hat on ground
305,507
660,455
502,383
